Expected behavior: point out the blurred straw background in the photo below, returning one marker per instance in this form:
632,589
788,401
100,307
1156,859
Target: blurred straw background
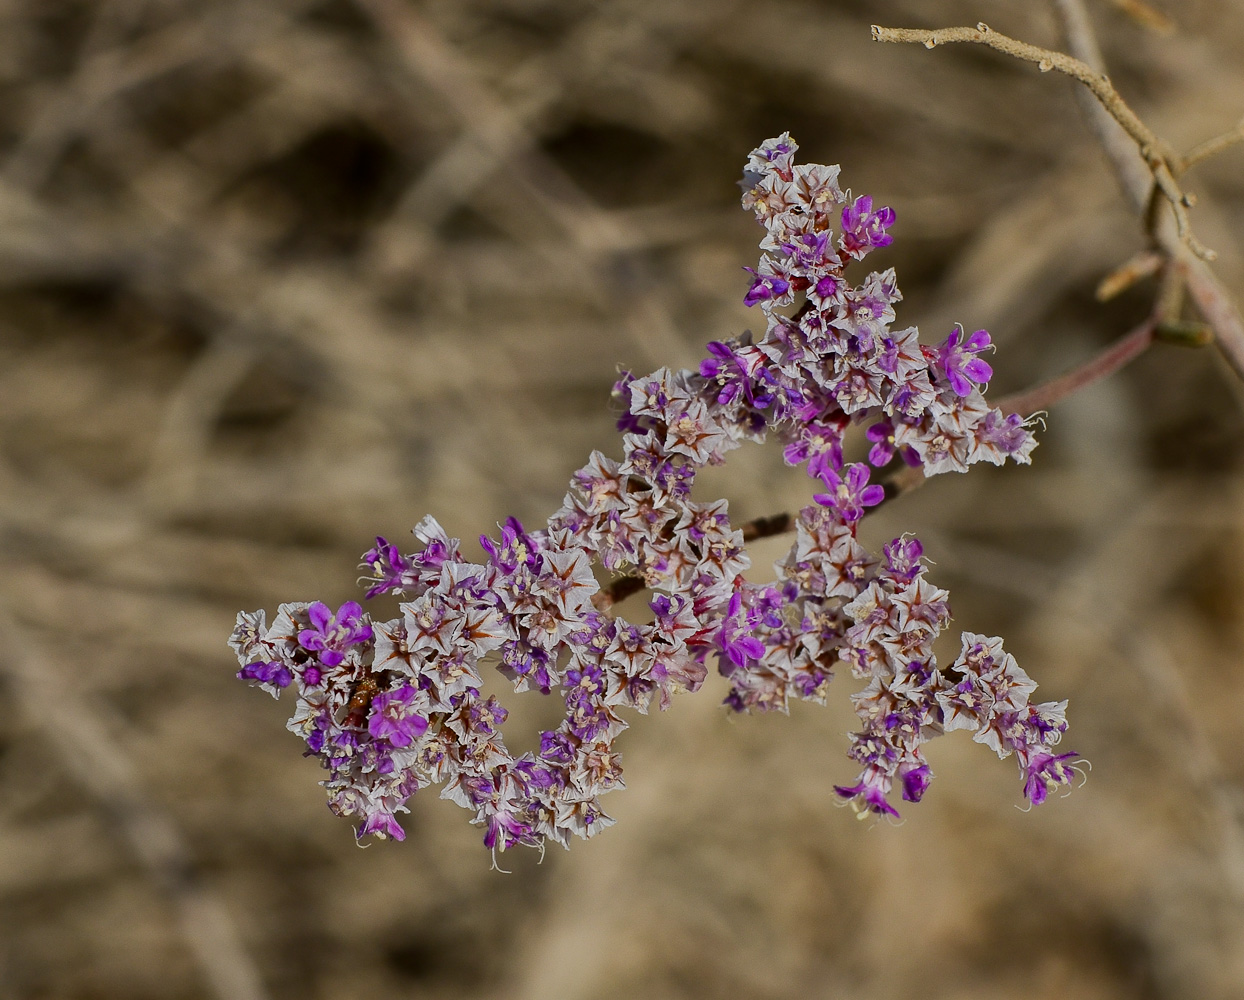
280,275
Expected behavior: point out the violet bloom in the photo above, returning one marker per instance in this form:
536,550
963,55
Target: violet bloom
271,673
902,559
957,359
1007,432
516,547
1045,772
849,493
393,717
915,782
811,251
331,635
390,570
557,747
881,434
379,822
820,447
737,372
765,287
502,828
868,796
863,229
736,647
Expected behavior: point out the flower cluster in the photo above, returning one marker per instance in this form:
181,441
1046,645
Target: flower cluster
391,707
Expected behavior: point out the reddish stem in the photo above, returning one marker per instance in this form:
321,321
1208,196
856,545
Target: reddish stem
1109,361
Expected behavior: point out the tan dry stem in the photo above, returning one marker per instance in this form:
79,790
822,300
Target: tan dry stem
1161,159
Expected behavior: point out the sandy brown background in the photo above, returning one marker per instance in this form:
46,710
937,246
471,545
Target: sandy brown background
279,275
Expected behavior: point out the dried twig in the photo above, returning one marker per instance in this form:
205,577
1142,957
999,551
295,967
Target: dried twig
1163,164
1128,273
1145,15
1158,154
1211,298
1211,147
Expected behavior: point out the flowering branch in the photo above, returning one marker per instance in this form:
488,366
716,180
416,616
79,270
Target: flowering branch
1126,349
390,707
894,485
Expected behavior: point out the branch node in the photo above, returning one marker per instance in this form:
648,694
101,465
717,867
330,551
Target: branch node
1184,333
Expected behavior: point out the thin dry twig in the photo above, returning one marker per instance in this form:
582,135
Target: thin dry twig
1107,114
1158,154
1211,147
1145,15
1124,276
1209,294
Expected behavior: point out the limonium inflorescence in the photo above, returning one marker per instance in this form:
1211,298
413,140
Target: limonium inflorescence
390,707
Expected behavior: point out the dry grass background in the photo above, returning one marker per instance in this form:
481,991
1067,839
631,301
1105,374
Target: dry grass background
280,275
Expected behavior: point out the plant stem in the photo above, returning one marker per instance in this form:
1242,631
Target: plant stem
1109,361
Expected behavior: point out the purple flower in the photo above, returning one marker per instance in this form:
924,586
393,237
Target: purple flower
915,782
863,229
393,717
331,635
517,547
390,570
557,747
849,493
902,559
869,796
883,437
959,362
267,673
736,647
810,251
820,447
881,434
532,774
380,823
1044,773
765,287
737,372
503,829
1006,432
528,665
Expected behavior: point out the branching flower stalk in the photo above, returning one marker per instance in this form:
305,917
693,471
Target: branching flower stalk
391,707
